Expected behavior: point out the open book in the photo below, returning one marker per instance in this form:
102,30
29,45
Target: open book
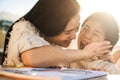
63,74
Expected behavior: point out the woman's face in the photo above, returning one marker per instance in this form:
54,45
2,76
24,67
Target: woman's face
91,31
64,39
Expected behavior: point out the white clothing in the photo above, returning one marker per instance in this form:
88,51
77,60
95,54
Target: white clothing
103,66
24,36
100,65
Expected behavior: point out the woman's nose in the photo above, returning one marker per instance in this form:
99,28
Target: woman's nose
72,36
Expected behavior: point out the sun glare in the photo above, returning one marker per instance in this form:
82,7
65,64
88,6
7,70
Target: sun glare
90,6
109,6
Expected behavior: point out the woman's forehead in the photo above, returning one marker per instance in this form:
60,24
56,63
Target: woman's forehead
74,22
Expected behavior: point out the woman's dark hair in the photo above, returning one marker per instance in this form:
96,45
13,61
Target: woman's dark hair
109,24
50,17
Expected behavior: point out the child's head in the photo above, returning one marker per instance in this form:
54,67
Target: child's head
98,26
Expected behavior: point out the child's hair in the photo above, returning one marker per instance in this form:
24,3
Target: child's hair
109,25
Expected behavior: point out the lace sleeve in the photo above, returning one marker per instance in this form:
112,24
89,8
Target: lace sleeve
23,37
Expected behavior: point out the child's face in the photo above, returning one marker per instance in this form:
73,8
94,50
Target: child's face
91,31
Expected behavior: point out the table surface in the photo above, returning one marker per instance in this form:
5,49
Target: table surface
15,76
108,77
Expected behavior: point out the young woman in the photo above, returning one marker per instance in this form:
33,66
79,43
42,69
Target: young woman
99,26
36,40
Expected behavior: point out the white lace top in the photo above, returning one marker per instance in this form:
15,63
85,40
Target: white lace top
24,36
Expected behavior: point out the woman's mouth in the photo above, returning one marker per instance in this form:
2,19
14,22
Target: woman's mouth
67,42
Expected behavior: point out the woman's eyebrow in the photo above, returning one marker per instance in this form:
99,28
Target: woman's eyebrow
71,29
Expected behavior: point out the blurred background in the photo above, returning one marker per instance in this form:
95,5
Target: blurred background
11,10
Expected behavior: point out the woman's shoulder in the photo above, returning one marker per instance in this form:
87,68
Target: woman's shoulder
27,35
22,23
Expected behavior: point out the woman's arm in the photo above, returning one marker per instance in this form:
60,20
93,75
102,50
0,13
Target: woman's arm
48,56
